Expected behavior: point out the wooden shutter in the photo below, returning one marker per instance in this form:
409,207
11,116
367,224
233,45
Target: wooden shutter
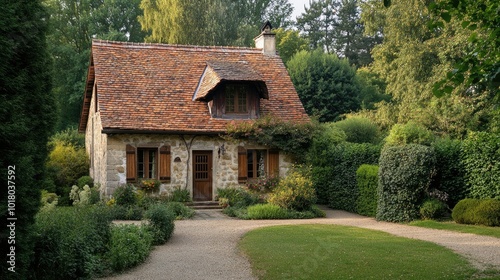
242,165
165,159
131,164
274,163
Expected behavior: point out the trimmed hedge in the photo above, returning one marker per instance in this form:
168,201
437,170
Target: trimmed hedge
477,212
404,175
367,180
481,159
345,159
449,170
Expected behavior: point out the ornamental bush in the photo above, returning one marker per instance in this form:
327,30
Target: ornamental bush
405,173
294,192
266,211
367,181
359,130
409,133
477,212
432,209
481,159
129,246
125,195
161,223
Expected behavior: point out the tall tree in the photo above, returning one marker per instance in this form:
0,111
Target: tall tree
318,23
211,22
411,59
73,24
289,42
26,120
327,86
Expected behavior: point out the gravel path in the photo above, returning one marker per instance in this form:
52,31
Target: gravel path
206,247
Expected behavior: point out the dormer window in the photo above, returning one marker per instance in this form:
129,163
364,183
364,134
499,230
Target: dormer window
236,100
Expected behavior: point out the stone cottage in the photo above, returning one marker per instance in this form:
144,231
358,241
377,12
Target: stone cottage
158,111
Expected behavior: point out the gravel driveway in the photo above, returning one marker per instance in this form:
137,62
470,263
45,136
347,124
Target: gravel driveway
206,247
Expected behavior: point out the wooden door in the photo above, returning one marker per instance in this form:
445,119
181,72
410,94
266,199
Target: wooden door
202,175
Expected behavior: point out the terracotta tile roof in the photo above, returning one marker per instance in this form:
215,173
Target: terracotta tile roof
151,87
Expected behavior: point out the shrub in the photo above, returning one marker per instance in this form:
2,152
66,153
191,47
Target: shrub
294,192
359,130
161,223
238,197
180,210
432,209
126,212
404,175
481,159
449,170
367,180
84,196
266,211
477,211
129,246
70,242
66,163
263,184
125,195
85,180
180,194
409,133
48,201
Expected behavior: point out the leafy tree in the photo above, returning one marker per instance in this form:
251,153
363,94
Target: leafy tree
26,121
73,24
289,42
211,22
411,59
327,85
318,22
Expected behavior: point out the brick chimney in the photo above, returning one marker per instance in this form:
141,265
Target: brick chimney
266,40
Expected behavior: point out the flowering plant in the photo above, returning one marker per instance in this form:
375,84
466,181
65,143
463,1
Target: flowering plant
263,184
149,184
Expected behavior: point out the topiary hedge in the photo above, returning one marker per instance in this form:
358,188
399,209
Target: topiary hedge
367,181
477,212
481,159
404,175
449,170
345,159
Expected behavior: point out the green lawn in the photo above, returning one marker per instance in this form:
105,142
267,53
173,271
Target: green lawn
449,225
339,252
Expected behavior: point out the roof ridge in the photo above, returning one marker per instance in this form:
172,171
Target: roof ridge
98,42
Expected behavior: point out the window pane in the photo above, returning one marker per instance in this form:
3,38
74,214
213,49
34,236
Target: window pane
152,164
229,100
250,163
242,102
261,156
140,163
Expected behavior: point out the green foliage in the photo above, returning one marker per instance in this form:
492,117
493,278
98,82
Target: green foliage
85,180
161,223
48,201
367,180
327,85
271,211
477,212
68,137
481,160
409,133
292,138
27,119
334,172
180,210
66,163
263,184
294,192
126,212
432,209
359,130
449,170
405,174
84,196
237,197
70,242
180,194
129,246
289,42
125,195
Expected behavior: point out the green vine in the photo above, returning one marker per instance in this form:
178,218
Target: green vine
292,138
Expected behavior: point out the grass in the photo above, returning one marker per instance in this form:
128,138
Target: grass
452,226
340,252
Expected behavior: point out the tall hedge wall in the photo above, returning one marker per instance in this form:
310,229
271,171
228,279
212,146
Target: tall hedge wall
367,180
481,160
404,175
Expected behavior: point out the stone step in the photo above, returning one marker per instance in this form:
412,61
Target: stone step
204,205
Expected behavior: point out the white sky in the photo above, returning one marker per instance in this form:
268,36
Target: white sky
298,7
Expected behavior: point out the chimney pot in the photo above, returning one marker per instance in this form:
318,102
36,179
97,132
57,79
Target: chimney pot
266,40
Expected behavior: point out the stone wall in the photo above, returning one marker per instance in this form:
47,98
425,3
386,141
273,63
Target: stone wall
225,164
